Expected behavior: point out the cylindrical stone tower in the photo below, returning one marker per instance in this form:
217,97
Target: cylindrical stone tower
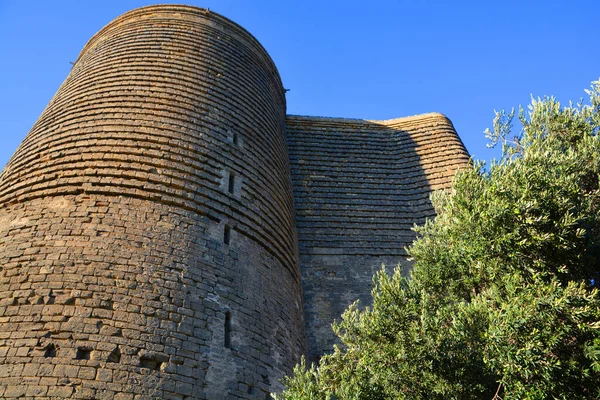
147,239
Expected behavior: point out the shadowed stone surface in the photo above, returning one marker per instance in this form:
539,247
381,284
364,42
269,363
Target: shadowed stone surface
359,187
153,236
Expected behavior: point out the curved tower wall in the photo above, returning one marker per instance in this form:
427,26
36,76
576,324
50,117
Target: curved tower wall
359,188
147,236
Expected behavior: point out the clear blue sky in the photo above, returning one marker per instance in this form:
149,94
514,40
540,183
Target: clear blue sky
371,60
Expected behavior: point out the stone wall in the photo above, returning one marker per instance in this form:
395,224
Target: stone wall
152,230
148,244
359,187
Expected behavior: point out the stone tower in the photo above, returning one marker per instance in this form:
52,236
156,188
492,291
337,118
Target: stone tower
148,246
168,232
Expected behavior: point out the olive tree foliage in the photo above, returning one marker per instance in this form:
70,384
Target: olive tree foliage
502,301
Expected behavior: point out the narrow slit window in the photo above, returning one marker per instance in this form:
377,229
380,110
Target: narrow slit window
235,138
231,186
227,234
227,341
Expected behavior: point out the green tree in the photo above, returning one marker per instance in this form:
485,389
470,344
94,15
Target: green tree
502,301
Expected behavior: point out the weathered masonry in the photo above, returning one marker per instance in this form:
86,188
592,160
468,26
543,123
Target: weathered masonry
166,231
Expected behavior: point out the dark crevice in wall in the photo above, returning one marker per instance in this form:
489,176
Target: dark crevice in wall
227,341
150,363
114,356
83,353
227,235
231,184
50,351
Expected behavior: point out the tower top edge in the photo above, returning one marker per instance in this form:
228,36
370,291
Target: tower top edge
410,118
177,11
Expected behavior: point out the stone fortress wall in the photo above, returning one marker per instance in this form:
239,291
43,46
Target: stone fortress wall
152,230
359,188
116,274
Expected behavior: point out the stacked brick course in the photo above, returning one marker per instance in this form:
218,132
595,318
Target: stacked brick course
148,231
